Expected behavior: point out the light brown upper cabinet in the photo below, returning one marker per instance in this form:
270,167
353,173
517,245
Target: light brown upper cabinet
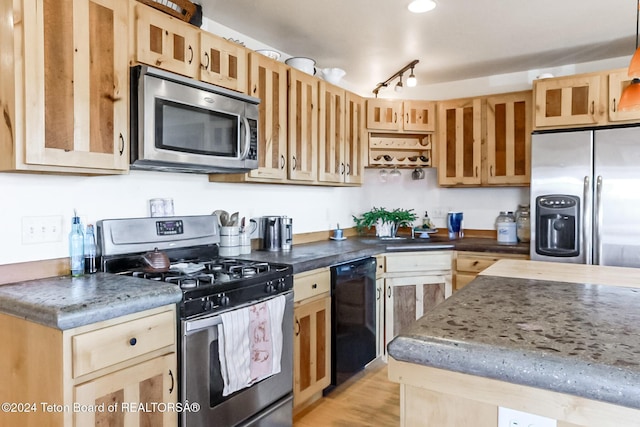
459,142
569,101
485,141
166,42
341,138
65,86
303,126
268,81
223,63
618,81
398,115
508,139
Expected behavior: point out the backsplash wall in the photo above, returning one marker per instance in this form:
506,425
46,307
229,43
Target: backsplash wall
312,208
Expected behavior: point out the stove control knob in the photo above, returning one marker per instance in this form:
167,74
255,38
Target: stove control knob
282,285
224,300
269,288
207,305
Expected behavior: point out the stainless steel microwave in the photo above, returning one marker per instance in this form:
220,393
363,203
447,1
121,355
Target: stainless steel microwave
179,124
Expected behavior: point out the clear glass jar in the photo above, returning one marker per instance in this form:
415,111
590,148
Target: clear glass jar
506,227
523,227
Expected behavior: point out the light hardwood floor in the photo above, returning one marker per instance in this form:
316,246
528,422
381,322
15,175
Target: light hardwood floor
367,399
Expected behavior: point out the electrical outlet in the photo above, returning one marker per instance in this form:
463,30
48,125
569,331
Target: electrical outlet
41,229
439,213
512,418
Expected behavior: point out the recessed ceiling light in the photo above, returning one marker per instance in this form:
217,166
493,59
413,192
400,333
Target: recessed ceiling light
421,6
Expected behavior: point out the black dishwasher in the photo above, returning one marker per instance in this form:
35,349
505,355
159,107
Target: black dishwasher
353,318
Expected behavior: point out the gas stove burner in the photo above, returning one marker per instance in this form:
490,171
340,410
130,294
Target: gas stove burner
188,284
191,281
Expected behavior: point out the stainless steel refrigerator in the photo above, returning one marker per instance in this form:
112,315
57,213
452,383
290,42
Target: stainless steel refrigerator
585,196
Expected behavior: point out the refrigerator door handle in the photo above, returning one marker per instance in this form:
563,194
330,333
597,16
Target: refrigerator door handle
586,224
597,218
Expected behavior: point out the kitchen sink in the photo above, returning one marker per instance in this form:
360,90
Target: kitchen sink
408,243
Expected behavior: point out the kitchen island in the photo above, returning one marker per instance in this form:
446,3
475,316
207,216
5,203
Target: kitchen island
560,341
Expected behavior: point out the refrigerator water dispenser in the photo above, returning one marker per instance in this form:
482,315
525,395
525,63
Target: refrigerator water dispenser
557,225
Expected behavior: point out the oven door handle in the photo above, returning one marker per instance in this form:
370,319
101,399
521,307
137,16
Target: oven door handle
198,324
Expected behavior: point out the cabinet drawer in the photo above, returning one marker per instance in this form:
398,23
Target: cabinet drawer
311,283
114,344
476,262
419,261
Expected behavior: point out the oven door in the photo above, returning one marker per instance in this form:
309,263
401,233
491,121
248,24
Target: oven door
266,403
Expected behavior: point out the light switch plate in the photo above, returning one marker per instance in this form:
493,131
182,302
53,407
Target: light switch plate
512,418
41,229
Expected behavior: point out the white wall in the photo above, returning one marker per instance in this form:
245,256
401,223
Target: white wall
312,208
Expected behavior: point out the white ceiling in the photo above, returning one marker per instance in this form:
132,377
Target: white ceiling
459,39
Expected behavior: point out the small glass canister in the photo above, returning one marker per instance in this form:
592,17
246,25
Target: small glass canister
506,227
523,227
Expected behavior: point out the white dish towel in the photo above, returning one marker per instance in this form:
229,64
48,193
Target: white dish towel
250,344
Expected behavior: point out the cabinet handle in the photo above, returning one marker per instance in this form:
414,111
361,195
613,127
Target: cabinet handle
593,107
342,169
206,55
348,169
378,294
395,117
314,286
282,161
388,291
133,341
172,382
121,138
491,170
407,121
190,59
614,105
476,171
298,325
294,163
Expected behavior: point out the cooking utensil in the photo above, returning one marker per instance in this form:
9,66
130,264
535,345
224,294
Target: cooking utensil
233,219
223,217
157,261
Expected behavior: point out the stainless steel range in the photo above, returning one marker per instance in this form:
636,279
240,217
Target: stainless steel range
213,287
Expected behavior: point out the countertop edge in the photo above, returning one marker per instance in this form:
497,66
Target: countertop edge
535,369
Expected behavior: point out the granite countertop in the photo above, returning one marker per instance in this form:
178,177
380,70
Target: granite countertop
576,338
64,302
309,256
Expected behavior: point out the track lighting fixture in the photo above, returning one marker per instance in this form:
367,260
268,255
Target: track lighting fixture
399,87
411,81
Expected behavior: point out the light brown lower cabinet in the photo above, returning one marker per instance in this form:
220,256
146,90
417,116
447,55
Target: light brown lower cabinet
414,283
118,372
312,336
469,264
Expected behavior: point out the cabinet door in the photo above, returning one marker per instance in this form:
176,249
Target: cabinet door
223,63
303,126
134,396
419,116
618,82
268,81
76,96
384,114
568,101
508,139
408,298
311,348
166,42
331,142
459,141
355,139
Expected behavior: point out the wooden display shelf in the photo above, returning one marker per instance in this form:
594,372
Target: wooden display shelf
403,151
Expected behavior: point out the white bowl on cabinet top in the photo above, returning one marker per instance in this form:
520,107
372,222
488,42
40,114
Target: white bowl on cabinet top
303,64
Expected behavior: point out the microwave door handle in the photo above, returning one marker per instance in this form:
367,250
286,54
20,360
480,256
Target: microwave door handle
247,138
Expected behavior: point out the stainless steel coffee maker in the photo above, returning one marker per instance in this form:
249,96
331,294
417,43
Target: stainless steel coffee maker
275,233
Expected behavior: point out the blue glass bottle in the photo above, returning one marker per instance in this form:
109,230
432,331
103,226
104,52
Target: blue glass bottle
76,247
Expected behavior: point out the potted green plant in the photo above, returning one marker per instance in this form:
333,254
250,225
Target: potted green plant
386,222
